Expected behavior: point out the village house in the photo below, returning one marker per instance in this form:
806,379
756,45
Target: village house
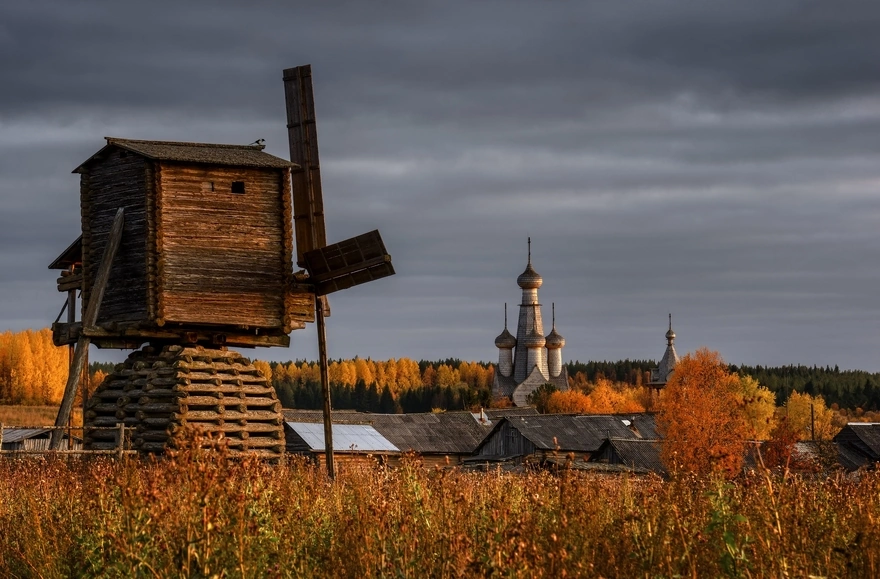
858,445
441,438
543,437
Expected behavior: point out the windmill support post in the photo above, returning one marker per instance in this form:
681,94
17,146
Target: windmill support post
325,389
89,319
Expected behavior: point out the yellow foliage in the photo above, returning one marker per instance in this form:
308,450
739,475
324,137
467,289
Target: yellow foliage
701,417
263,368
32,369
797,413
569,402
759,407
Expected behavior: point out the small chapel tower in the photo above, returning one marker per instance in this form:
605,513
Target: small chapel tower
660,375
555,342
535,359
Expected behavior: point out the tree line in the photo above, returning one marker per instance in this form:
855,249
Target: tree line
388,386
33,371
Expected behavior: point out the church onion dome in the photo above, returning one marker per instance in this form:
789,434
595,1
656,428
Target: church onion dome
529,279
533,340
555,340
505,340
670,335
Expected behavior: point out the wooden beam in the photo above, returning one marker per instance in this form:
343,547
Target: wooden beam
89,319
325,389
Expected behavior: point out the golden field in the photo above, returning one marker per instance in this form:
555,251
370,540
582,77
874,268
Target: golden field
201,514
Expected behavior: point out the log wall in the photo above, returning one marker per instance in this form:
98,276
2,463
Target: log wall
117,180
223,257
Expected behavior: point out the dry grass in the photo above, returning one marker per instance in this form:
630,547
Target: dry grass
34,415
201,515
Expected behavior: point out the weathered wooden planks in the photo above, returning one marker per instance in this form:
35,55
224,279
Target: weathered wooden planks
117,181
195,255
221,253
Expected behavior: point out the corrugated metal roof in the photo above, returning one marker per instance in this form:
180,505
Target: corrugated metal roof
201,153
346,437
424,433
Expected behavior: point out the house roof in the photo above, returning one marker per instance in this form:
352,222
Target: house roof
494,413
200,153
346,437
859,444
426,433
637,454
19,434
868,434
339,416
566,432
645,426
491,415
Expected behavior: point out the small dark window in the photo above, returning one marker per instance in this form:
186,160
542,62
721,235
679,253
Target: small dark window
238,186
123,154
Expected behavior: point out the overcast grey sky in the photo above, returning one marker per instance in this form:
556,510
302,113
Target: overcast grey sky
716,160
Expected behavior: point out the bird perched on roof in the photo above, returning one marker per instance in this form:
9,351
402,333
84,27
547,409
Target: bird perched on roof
258,142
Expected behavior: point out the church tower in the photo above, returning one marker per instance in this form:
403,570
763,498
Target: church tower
555,342
505,342
530,329
536,359
660,375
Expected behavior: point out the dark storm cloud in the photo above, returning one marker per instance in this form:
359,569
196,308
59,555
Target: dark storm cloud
715,159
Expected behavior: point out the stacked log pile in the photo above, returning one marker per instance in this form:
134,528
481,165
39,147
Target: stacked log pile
157,393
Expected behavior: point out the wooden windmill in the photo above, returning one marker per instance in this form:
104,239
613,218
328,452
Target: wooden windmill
189,247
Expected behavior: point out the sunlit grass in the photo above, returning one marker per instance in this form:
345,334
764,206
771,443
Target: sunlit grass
202,515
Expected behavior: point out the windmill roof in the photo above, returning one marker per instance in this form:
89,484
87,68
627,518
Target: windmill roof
200,153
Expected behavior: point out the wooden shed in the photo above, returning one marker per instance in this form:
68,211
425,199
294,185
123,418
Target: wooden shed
33,439
207,247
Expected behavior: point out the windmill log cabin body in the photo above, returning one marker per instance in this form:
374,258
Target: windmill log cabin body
203,239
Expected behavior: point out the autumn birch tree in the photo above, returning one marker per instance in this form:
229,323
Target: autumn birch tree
701,417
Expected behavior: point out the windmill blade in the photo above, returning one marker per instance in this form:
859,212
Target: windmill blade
348,263
302,131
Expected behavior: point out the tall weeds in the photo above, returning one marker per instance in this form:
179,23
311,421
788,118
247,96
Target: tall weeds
200,514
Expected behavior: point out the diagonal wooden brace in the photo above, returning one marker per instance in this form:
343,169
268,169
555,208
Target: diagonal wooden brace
89,319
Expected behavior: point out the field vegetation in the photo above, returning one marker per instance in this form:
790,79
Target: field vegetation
200,514
13,415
